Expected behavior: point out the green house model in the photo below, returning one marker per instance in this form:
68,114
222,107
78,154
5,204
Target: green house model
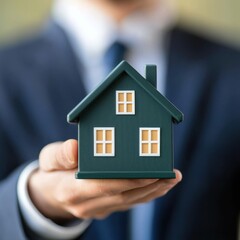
125,128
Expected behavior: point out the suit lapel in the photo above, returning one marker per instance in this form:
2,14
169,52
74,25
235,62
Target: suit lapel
188,86
65,78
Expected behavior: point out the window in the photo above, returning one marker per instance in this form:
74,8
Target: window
149,141
104,142
125,102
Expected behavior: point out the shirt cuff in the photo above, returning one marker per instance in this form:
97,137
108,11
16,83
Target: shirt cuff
36,221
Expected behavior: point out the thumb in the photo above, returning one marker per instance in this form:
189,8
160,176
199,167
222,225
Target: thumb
59,156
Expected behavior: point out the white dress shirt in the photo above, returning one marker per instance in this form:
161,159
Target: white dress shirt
91,33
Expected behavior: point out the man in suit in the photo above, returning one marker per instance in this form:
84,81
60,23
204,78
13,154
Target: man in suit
43,78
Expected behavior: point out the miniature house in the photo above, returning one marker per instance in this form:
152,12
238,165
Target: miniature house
125,128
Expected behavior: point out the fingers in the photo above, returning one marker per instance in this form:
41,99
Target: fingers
178,175
59,156
161,191
103,206
91,198
72,191
109,204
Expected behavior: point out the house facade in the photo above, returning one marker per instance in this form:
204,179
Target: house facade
125,128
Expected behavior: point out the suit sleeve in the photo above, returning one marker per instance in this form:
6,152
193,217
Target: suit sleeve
11,163
38,224
10,219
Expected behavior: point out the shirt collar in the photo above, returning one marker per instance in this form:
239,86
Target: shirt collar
92,32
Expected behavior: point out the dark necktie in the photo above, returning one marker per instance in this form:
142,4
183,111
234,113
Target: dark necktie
114,55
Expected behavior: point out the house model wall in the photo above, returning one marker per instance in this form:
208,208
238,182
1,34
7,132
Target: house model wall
125,128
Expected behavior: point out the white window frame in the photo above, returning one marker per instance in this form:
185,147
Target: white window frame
104,142
149,142
125,102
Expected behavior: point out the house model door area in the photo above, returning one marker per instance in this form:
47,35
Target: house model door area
125,128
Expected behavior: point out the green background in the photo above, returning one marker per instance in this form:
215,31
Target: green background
218,19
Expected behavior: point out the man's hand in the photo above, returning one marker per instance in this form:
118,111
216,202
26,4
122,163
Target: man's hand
58,195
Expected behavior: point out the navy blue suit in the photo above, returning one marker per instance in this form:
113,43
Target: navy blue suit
41,81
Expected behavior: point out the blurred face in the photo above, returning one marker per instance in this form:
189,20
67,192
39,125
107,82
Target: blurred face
121,8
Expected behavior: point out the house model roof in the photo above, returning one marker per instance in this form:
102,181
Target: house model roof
74,115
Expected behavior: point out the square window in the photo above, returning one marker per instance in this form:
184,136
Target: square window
149,142
104,142
125,102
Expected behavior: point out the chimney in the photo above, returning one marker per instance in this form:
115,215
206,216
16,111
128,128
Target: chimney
151,74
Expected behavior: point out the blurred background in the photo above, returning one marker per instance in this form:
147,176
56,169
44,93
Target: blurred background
218,19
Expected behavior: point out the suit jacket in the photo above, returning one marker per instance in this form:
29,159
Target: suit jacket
41,80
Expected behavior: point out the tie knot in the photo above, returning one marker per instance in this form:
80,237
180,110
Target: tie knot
115,54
